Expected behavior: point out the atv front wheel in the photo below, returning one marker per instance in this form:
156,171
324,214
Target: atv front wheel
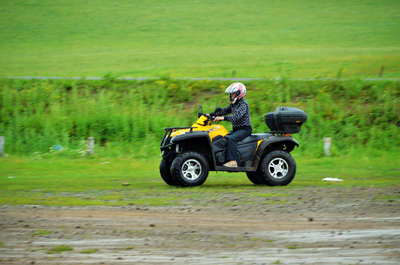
278,168
165,172
189,169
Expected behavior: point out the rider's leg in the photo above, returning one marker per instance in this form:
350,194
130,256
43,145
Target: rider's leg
231,154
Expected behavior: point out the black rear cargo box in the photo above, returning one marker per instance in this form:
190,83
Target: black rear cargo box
285,120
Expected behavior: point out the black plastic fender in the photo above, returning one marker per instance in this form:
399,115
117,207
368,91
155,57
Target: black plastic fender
271,140
197,137
191,135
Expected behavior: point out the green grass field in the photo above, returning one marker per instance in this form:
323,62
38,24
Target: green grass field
200,38
79,182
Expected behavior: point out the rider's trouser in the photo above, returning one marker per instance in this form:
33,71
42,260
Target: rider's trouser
234,137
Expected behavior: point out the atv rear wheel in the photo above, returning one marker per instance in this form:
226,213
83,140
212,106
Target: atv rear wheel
278,168
165,172
189,169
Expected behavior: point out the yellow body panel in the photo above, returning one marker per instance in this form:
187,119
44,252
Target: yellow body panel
258,144
203,125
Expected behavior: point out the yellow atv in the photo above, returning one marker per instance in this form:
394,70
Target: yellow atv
189,153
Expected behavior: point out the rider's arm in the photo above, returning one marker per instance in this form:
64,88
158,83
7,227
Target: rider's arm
241,112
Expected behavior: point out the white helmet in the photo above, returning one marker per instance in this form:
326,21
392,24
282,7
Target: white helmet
237,88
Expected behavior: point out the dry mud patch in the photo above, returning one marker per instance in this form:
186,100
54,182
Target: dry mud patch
317,227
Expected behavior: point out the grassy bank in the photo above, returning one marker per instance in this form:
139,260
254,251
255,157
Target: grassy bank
127,118
200,39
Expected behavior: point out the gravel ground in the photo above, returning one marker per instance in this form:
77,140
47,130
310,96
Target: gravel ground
313,226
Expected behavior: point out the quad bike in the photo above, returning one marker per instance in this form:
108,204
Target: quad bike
189,153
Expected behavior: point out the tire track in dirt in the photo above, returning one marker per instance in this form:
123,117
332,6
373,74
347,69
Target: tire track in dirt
196,235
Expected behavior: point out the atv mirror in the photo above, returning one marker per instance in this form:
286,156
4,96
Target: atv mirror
200,107
218,109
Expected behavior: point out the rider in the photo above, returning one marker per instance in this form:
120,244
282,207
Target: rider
240,118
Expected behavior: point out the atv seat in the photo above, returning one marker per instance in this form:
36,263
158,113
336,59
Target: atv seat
252,138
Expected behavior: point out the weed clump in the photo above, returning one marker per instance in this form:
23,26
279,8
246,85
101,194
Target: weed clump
59,249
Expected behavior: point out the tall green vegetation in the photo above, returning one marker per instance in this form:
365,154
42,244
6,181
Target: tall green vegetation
128,117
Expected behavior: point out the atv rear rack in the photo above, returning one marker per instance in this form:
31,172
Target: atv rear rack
166,140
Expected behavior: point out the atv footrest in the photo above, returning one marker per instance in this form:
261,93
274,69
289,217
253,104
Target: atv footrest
235,169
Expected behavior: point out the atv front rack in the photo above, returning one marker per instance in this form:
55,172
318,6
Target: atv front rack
166,140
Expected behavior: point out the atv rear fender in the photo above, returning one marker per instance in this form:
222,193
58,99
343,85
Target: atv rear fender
277,142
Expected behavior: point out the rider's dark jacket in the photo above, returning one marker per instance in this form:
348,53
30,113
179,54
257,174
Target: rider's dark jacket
240,117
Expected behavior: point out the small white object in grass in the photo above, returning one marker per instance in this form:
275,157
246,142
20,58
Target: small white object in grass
332,179
105,163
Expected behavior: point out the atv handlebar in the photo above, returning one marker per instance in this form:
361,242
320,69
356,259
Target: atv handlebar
210,117
214,115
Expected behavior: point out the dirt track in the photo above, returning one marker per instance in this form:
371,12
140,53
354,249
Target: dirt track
353,230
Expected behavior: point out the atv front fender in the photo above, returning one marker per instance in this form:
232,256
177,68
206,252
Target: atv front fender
191,135
196,141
